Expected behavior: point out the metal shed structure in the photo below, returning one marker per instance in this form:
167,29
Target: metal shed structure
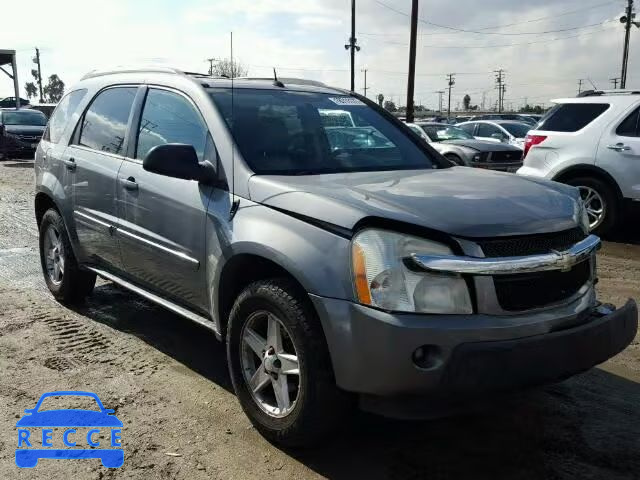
8,57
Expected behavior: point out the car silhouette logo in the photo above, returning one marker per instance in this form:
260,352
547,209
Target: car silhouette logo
69,420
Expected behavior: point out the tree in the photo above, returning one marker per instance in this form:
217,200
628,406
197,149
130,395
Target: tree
380,99
466,101
54,90
532,109
31,89
226,68
389,106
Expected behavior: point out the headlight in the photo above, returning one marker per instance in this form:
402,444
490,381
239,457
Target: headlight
381,278
582,217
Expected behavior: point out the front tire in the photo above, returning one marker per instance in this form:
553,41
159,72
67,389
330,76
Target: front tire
455,159
64,278
601,202
280,366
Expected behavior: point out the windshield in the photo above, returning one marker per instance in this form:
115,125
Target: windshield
24,118
282,132
438,133
518,130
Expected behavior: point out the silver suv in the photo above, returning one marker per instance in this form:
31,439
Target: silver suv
339,260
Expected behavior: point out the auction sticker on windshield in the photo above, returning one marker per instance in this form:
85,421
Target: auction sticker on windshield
69,433
347,101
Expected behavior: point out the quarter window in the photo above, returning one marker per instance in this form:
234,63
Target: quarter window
571,117
170,118
62,115
104,125
631,125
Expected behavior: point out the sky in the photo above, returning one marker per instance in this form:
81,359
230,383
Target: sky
544,46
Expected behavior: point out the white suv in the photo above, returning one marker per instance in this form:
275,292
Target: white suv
593,143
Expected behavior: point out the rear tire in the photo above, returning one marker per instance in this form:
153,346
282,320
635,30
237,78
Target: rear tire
605,199
64,278
318,407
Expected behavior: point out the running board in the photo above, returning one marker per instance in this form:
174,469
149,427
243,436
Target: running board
183,312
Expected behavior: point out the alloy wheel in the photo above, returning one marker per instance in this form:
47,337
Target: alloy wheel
270,364
54,254
595,206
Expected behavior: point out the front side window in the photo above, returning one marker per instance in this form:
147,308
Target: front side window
168,117
294,133
24,118
62,115
630,127
571,117
104,125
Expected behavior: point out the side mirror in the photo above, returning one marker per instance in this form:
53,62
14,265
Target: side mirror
2,128
498,136
178,160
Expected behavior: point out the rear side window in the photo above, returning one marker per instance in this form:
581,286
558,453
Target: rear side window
571,117
631,125
104,125
168,117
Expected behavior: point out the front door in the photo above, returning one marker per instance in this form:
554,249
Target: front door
93,161
619,153
162,219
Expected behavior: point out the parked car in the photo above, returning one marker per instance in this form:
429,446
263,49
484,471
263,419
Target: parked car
20,131
593,143
501,131
518,117
335,270
46,108
10,102
463,149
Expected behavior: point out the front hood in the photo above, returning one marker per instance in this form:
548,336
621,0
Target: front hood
460,201
35,130
483,146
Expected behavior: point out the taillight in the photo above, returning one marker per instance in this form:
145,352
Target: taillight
530,141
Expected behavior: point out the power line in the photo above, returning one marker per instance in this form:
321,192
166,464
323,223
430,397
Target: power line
462,30
549,40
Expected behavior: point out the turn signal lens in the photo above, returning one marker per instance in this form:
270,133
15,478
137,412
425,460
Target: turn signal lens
360,275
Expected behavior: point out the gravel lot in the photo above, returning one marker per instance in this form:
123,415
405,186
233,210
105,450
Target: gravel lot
167,381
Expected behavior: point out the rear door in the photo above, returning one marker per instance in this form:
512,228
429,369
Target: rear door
162,219
93,160
619,152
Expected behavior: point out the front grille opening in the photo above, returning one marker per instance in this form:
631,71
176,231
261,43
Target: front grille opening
531,244
527,291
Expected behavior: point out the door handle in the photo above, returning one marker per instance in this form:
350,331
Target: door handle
70,163
129,183
619,147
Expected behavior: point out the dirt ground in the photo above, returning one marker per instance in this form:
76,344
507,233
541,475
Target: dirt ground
167,381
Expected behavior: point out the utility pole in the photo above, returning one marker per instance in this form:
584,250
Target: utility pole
484,97
500,85
615,82
211,60
440,94
353,45
627,19
580,86
451,82
36,60
364,70
412,60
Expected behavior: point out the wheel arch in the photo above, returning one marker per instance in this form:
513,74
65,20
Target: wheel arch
243,269
584,170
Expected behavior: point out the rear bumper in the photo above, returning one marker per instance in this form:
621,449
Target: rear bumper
373,351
